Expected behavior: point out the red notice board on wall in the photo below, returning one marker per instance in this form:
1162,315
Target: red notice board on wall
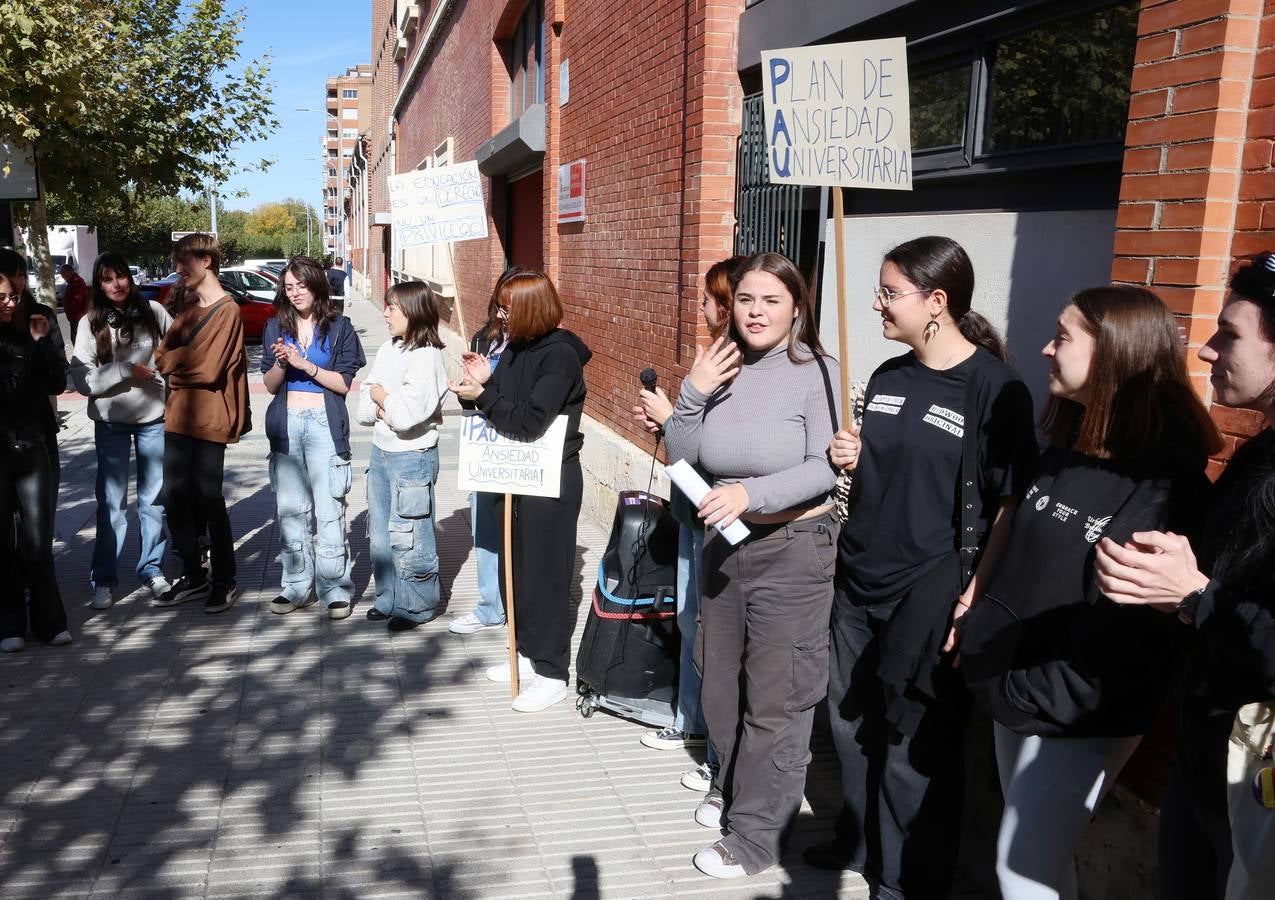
571,192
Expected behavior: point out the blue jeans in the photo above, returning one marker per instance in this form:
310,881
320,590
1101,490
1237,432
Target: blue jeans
400,522
113,442
490,609
689,717
311,477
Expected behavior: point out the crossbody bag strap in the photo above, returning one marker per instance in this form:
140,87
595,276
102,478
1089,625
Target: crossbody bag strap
199,326
827,389
968,495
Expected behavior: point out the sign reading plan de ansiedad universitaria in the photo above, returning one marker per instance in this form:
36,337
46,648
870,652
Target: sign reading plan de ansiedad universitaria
434,206
500,464
838,114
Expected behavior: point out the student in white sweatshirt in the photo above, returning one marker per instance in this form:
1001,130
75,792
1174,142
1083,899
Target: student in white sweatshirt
114,366
402,399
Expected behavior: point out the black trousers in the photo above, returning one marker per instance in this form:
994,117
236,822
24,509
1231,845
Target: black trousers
901,825
1195,825
193,501
27,564
544,564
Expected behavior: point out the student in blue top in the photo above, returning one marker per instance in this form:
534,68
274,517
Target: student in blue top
312,358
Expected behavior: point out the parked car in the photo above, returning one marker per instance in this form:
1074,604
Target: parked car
253,312
251,281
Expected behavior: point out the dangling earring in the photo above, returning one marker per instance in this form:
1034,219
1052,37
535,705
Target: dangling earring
931,329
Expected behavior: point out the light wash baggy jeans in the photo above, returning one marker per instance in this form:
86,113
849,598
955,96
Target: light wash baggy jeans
400,521
113,442
310,477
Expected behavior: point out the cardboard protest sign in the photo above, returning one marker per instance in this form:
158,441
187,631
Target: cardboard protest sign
433,206
838,114
500,464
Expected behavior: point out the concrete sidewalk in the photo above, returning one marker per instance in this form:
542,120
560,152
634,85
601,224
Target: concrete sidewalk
169,753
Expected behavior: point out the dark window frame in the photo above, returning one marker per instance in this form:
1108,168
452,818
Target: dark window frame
526,45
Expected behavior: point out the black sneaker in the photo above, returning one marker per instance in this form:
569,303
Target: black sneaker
221,597
188,587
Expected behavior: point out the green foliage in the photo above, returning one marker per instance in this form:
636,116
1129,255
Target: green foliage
128,92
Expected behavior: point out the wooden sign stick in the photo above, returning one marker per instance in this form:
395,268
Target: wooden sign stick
843,324
460,307
509,596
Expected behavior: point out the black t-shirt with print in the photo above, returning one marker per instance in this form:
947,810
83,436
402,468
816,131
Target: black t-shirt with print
903,504
1072,662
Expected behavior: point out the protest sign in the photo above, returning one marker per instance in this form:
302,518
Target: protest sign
434,206
838,114
500,464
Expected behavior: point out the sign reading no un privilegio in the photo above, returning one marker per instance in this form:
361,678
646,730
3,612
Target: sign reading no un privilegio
837,114
434,206
500,464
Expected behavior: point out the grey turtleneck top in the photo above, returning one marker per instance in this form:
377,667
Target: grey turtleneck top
768,429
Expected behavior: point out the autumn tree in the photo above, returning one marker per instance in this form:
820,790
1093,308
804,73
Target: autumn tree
120,96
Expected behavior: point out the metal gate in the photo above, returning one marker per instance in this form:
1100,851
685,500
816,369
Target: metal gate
767,216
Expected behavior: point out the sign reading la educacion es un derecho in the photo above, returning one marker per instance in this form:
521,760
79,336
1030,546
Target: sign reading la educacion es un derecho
838,114
434,206
500,464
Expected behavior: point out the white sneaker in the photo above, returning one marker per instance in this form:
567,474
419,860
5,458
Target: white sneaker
717,861
101,597
61,639
709,811
13,645
158,586
540,693
470,623
500,673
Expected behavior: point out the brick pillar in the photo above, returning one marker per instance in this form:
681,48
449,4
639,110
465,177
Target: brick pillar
1191,170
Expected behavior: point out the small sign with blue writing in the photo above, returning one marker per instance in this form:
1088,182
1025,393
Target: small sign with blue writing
838,114
500,464
434,206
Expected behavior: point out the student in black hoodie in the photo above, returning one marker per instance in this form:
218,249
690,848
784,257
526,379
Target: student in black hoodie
540,377
31,368
1217,821
1071,679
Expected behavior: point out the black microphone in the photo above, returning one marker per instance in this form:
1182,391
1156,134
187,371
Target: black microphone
648,378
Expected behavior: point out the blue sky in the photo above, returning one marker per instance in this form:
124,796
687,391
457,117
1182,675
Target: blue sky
308,41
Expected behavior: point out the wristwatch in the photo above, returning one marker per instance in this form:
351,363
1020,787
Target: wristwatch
1188,604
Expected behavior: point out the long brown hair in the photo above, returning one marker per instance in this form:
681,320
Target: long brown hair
310,273
804,329
1137,388
718,288
492,328
420,306
534,306
136,312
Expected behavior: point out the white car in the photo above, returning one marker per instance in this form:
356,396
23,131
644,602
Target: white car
250,281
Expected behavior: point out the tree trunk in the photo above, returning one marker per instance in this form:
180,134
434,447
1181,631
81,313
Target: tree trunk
37,239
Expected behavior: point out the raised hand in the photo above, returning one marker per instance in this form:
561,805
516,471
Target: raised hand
715,366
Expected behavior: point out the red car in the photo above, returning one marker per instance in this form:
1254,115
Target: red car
254,313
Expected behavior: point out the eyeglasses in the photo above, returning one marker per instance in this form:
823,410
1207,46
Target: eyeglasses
14,298
885,296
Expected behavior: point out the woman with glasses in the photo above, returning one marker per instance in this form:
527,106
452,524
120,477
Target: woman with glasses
490,343
31,368
898,708
114,367
314,354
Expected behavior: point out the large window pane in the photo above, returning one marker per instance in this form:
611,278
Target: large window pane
940,102
1062,84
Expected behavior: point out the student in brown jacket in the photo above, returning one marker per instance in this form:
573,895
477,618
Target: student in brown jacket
202,358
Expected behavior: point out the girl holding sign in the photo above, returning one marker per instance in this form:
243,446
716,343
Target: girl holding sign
948,444
756,412
402,399
540,377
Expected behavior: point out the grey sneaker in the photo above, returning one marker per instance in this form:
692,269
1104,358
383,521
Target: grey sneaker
671,738
699,778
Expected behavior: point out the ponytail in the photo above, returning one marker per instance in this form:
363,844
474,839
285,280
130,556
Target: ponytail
977,330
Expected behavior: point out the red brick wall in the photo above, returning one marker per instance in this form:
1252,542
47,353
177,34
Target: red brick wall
385,73
654,108
1198,188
